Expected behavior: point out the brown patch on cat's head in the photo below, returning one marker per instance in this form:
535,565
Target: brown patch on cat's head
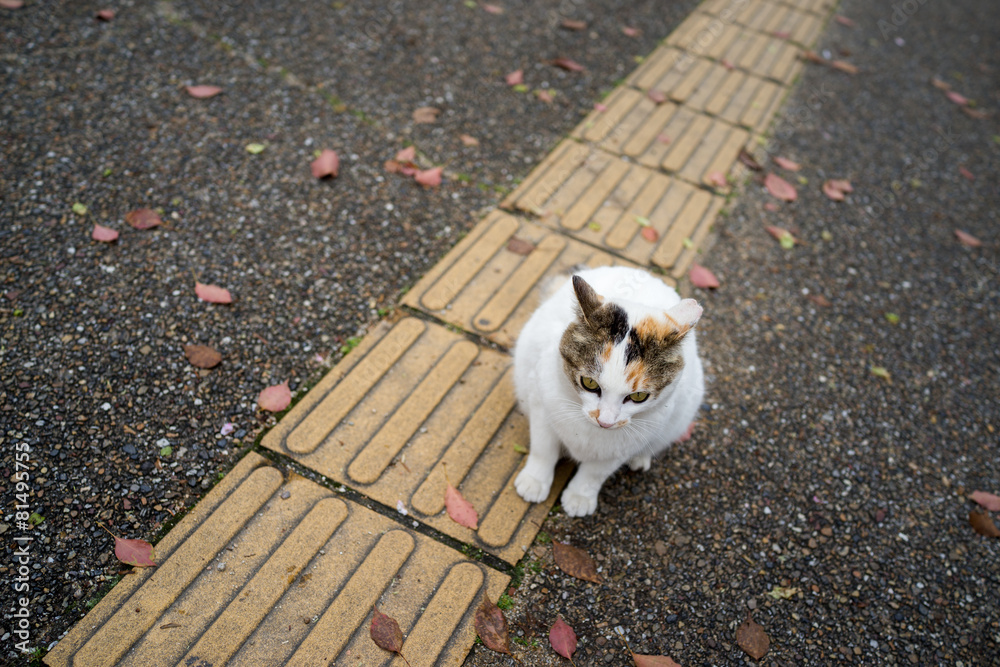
590,339
652,355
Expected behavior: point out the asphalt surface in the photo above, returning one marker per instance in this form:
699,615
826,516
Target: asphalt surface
807,471
92,369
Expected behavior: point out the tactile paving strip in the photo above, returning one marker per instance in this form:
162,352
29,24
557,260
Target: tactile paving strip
416,405
605,201
768,17
489,283
273,571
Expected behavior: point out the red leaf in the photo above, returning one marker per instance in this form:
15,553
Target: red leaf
573,24
842,184
385,632
468,140
967,239
327,164
492,9
429,178
771,206
563,639
966,173
212,293
717,179
835,188
663,139
105,15
987,500
844,66
780,188
657,96
11,4
957,98
939,84
600,107
104,234
728,65
408,154
275,398
567,64
515,78
781,34
575,562
780,233
544,95
143,218
702,277
652,660
491,626
202,92
459,509
630,31
134,552
787,164
843,20
650,234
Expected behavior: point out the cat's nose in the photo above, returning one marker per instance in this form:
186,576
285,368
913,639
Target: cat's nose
604,424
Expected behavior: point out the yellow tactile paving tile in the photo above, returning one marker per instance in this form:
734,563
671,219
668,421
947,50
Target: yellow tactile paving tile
620,199
415,406
273,570
769,17
488,284
629,120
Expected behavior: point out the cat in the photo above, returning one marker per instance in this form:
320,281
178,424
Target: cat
608,367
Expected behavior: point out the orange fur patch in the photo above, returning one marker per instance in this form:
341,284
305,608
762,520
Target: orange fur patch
636,371
608,349
594,413
649,327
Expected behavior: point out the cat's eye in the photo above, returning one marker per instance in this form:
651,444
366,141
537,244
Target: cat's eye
590,384
638,397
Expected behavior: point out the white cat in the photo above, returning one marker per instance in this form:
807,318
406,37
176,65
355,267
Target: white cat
607,366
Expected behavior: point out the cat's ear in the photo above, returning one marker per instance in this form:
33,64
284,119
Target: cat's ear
588,299
686,314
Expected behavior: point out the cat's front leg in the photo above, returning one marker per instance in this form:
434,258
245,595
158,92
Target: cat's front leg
580,496
535,480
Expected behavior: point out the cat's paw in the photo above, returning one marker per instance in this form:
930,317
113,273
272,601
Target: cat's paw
531,487
641,462
575,503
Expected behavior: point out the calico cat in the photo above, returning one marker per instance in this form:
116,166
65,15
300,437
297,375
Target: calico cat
608,367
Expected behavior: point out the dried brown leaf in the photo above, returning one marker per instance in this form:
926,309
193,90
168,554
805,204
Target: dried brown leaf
202,356
652,660
575,562
386,634
820,300
844,66
426,114
844,21
750,161
143,218
468,140
752,639
519,246
983,524
573,24
491,626
567,64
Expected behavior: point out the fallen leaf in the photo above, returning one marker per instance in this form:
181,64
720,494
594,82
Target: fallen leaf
386,634
957,98
492,9
327,164
702,277
139,553
544,95
786,164
967,239
966,173
202,92
426,114
940,85
820,300
429,178
782,236
780,188
987,500
563,639
782,593
844,66
468,140
771,206
600,107
573,24
842,184
981,523
104,234
575,562
459,509
832,191
813,57
212,293
781,34
882,372
408,154
752,639
519,246
275,398
728,65
515,77
491,626
650,234
843,20
567,64
202,356
978,114
143,218
167,626
717,179
663,139
629,31
105,15
11,4
657,96
652,660
255,149
750,161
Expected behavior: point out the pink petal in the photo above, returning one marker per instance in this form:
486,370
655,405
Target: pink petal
202,92
408,154
631,32
11,4
563,639
780,188
787,164
104,234
967,239
327,164
429,178
987,500
514,78
492,9
212,293
105,15
717,179
275,398
702,277
832,191
957,98
459,509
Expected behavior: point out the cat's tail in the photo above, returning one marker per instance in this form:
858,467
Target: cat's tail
553,283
